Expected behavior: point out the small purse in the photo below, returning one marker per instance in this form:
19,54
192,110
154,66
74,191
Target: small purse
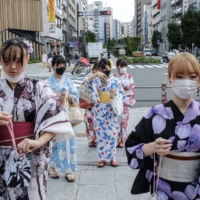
155,196
17,168
75,113
104,96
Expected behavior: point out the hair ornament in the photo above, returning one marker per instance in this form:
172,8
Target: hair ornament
29,46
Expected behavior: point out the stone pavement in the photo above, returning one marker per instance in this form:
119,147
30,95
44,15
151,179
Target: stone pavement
93,183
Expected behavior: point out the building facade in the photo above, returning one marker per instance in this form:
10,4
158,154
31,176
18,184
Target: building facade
139,5
147,26
11,25
116,29
83,21
195,3
132,23
125,29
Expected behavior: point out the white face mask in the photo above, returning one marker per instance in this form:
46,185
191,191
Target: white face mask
184,89
123,70
13,80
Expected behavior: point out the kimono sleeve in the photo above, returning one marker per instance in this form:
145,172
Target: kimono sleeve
143,134
74,90
120,91
130,92
51,115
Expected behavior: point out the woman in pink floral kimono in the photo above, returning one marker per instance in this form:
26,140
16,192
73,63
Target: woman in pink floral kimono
128,87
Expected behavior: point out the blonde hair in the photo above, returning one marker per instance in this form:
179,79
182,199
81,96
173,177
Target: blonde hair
182,62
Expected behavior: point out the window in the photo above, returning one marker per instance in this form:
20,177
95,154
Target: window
58,3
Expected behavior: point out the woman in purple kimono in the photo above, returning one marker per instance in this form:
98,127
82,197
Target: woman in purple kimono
172,132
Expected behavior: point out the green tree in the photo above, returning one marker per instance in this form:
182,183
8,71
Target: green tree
90,37
190,26
155,37
174,35
132,44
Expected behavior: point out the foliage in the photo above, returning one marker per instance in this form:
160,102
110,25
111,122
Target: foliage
34,61
141,59
132,44
190,26
174,35
111,43
90,37
121,41
157,35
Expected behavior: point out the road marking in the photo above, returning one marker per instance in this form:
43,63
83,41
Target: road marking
77,81
131,66
157,66
139,66
149,66
164,65
165,73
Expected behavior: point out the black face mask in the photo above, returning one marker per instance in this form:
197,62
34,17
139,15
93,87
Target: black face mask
60,70
107,73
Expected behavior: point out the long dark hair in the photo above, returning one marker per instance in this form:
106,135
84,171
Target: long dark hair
12,48
58,59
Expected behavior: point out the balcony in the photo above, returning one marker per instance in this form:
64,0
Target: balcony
154,12
155,21
175,2
178,11
154,3
64,15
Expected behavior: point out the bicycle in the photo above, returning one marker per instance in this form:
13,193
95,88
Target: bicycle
81,69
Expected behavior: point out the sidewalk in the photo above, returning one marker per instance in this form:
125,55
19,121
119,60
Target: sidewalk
93,183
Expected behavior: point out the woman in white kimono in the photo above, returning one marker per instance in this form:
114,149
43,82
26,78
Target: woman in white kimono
64,152
105,119
32,105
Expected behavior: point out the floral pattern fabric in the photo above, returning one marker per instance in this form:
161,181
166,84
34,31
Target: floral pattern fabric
64,153
105,120
89,123
168,122
128,87
32,101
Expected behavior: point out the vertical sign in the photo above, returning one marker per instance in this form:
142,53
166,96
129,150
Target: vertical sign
185,6
51,7
158,4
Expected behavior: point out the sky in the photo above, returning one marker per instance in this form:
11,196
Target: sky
123,10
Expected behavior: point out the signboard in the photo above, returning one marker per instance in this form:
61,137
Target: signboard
185,6
52,27
51,6
158,4
71,44
158,41
88,13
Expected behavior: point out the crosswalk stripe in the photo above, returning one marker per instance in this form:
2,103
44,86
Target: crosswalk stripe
164,65
149,66
157,66
139,66
130,66
77,81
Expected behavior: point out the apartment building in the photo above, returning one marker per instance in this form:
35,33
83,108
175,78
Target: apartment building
116,29
132,23
139,5
83,21
125,29
11,24
147,26
195,3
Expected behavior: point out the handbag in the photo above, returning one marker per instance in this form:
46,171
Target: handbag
154,196
75,113
117,105
104,96
85,93
17,168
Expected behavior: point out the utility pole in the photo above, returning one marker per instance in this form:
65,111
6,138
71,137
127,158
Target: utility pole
77,6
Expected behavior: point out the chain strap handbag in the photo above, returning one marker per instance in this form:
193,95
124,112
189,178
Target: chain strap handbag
155,196
17,168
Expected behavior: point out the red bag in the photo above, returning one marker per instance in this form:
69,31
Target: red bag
84,104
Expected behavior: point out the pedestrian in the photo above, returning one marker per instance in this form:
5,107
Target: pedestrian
44,59
104,88
171,132
100,57
37,117
50,56
128,87
54,53
63,153
89,117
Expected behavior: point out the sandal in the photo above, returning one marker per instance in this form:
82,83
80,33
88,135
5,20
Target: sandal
69,177
121,144
91,144
118,143
101,164
55,175
114,163
95,144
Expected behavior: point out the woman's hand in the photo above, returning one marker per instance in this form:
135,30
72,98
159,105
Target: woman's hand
113,92
4,118
162,146
102,76
28,145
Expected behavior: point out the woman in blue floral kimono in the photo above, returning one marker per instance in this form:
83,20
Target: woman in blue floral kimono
171,131
63,153
105,119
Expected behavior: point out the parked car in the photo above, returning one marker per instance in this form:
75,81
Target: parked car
154,52
147,52
168,55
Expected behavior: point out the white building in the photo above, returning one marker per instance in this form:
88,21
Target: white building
125,29
83,21
116,29
91,19
147,27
